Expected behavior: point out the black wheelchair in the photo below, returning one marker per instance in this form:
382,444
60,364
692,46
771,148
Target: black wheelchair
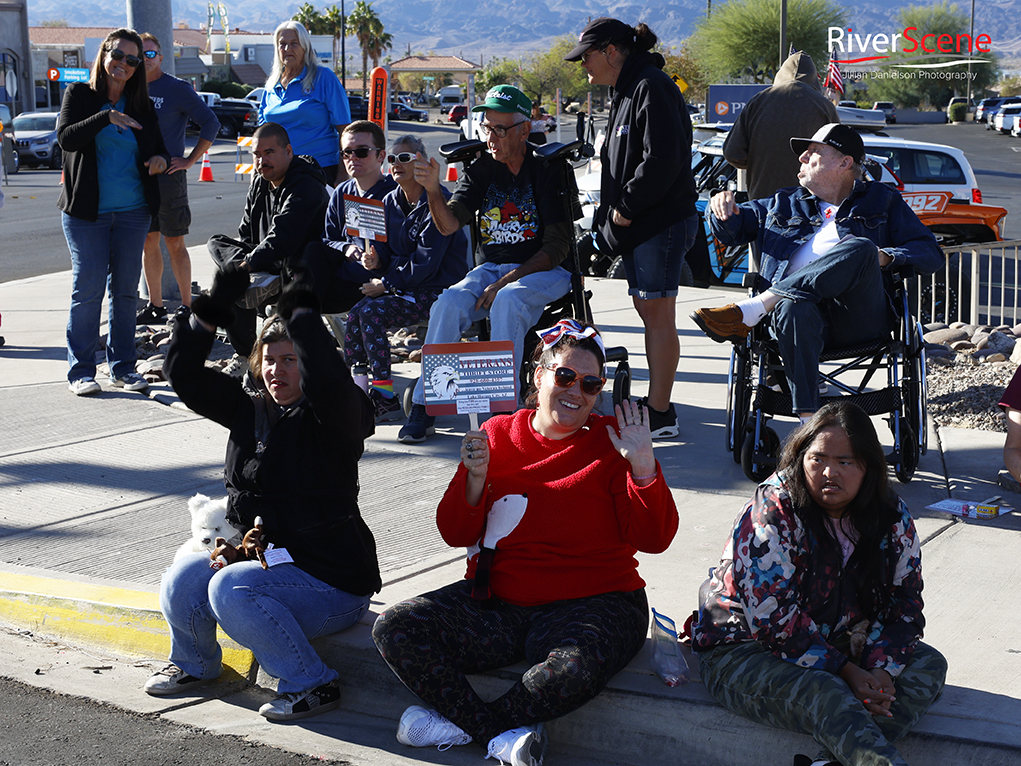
575,303
757,388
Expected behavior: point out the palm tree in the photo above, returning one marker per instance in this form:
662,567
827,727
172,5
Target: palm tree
309,18
333,23
364,23
379,43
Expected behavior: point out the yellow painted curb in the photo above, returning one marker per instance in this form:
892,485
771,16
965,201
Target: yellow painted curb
121,620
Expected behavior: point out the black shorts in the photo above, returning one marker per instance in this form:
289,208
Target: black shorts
175,215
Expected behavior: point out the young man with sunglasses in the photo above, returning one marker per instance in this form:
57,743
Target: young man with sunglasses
332,265
525,235
176,103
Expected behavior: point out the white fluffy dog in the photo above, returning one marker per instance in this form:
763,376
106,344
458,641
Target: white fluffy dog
208,521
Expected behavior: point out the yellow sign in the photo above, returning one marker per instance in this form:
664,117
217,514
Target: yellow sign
679,82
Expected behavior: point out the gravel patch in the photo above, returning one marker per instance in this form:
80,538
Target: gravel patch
965,396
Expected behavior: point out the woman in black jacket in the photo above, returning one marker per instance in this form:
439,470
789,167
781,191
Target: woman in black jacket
113,151
647,211
297,428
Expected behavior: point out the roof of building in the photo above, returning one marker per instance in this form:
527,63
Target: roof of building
249,74
434,64
78,35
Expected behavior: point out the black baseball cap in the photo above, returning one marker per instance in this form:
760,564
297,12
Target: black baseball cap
599,32
843,138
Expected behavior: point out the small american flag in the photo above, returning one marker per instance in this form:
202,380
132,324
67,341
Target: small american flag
833,77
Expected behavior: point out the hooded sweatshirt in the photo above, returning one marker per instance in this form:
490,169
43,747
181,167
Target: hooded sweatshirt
794,107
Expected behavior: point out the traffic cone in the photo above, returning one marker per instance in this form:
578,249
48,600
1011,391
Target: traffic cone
206,174
451,172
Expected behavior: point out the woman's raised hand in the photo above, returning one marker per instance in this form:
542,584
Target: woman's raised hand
475,456
634,441
121,120
157,164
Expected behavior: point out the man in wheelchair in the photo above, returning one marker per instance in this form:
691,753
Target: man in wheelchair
823,247
525,235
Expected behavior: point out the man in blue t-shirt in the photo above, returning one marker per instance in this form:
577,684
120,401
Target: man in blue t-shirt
525,235
176,103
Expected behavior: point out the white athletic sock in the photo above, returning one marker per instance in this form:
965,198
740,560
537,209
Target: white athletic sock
752,310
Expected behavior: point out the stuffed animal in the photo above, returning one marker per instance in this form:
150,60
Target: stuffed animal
208,521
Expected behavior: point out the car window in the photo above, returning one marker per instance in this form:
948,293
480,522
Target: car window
930,167
31,122
5,114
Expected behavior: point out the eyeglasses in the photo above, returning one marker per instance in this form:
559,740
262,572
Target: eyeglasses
565,377
589,52
118,55
151,54
404,158
361,152
500,130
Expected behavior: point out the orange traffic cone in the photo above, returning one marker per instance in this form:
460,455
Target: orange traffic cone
451,172
206,174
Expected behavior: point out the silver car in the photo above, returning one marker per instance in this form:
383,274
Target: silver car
35,135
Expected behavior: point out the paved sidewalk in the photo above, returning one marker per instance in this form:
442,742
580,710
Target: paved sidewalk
93,505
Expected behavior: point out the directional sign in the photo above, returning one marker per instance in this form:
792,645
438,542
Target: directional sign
67,75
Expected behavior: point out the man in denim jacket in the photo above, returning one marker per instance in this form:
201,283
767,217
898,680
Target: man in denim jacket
823,247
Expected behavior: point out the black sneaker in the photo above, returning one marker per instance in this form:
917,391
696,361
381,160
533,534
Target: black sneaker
290,707
662,424
387,408
419,426
151,315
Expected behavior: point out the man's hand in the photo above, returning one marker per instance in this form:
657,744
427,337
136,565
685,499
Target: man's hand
619,220
354,253
427,172
485,300
723,205
885,259
374,288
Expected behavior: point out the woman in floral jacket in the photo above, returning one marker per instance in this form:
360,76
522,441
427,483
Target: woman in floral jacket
813,618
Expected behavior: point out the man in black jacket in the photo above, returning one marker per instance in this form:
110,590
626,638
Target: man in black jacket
284,211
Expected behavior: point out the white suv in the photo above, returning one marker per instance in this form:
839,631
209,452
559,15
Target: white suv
922,166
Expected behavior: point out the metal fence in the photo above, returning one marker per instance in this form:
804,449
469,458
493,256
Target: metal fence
979,285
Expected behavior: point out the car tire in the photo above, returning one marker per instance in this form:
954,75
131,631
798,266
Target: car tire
57,158
227,130
15,162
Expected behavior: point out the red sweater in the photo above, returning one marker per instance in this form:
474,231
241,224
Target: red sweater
582,518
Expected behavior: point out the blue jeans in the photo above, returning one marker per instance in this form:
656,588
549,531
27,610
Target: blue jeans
837,300
515,310
273,612
653,269
105,256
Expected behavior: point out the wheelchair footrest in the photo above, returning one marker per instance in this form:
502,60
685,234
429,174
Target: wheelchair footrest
873,402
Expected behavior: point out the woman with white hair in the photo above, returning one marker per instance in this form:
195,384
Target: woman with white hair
307,99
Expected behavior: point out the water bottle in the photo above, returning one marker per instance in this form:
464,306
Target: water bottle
360,374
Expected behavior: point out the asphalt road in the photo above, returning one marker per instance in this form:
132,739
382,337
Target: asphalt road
32,242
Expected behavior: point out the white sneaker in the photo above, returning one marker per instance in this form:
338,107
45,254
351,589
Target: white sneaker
172,680
524,746
130,382
421,727
84,387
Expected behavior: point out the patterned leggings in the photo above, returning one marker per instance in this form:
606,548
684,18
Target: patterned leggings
574,647
365,338
751,681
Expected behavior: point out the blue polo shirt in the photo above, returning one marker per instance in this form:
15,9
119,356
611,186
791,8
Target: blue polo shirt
309,117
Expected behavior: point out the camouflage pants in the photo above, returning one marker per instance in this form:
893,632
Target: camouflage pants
751,681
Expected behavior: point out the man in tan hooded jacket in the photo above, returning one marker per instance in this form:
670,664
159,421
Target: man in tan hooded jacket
760,139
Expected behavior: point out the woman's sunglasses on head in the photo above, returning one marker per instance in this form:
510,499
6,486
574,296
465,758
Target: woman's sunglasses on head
565,377
118,55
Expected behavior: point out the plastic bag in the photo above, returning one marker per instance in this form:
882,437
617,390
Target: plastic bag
667,660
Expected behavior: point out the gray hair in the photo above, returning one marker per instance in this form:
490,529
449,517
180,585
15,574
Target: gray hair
312,62
414,143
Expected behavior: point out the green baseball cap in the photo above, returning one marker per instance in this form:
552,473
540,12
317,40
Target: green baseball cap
506,98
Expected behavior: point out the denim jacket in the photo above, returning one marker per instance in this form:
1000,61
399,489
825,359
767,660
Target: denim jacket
782,223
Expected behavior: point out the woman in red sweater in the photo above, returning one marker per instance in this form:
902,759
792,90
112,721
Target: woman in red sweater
552,503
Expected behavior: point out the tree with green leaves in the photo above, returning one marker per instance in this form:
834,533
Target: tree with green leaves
686,65
364,23
542,73
498,71
930,91
309,18
740,41
333,23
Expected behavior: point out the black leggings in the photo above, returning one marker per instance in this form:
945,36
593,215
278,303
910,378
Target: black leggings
574,647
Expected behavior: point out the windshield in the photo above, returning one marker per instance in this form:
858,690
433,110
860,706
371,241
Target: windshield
33,122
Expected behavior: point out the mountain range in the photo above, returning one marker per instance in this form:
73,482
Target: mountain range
482,30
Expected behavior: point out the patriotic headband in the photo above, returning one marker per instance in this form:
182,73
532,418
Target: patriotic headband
552,335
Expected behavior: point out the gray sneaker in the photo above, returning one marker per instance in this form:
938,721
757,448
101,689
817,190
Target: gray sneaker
289,707
130,382
84,387
172,680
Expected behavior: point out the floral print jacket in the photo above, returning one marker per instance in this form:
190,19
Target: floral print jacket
778,585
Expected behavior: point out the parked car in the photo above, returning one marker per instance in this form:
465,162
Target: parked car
923,166
1016,129
405,112
255,95
457,113
991,110
870,120
888,109
470,126
848,102
35,135
8,151
359,108
1004,119
983,106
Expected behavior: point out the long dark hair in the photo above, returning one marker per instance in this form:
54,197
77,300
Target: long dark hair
873,511
543,356
136,89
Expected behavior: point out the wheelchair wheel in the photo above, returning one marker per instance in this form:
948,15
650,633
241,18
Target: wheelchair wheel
739,395
406,402
770,447
905,469
621,383
916,398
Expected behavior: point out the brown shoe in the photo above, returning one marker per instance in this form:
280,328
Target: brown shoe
722,324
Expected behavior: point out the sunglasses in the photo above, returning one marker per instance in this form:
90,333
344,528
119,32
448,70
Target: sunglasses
590,52
565,377
404,158
151,54
361,152
500,130
118,55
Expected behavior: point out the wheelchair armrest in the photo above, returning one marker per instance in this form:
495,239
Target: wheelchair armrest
572,151
460,151
616,354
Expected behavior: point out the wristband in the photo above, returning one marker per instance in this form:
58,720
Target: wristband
643,478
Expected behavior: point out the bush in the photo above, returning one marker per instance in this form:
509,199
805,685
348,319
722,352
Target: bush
226,89
958,112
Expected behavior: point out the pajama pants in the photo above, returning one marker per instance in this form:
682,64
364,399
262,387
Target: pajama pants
365,339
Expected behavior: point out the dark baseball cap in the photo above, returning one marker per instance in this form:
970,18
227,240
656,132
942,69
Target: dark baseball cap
843,138
506,98
599,32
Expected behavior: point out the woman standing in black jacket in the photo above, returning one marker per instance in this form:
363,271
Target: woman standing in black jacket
647,194
113,151
297,430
